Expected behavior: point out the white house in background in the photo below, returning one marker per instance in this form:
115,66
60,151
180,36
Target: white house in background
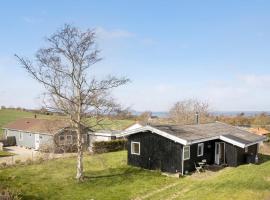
133,126
108,135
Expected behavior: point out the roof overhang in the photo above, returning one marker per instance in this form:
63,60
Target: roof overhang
185,142
154,130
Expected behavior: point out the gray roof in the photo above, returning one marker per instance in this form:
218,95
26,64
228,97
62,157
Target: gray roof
192,133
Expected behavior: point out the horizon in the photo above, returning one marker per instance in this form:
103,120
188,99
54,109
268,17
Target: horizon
212,51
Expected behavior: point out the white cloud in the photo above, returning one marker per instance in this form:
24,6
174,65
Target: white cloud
245,92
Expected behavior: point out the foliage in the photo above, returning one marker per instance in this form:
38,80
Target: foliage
109,146
109,177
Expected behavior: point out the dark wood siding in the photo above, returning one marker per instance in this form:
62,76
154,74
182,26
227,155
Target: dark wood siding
247,157
156,152
208,155
234,155
231,155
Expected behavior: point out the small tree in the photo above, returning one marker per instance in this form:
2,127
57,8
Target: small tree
63,68
183,112
145,116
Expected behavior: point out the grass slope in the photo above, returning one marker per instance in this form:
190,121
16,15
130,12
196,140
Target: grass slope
110,178
9,115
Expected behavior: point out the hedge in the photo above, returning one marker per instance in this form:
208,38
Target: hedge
109,146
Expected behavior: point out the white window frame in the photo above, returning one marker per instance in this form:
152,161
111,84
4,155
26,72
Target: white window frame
20,136
132,150
200,145
69,141
188,147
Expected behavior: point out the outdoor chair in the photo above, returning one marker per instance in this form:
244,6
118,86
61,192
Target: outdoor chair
198,168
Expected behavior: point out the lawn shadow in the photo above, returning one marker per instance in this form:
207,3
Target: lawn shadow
263,158
112,172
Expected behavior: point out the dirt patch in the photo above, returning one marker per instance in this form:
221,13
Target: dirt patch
156,191
178,194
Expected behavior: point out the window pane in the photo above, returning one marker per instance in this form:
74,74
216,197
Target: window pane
69,139
186,153
135,148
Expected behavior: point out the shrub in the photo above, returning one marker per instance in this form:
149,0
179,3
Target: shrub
3,164
10,194
17,161
109,146
40,160
28,161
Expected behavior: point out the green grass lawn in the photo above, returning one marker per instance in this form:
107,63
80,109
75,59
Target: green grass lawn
110,178
5,154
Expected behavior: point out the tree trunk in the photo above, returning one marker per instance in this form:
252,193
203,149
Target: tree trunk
79,175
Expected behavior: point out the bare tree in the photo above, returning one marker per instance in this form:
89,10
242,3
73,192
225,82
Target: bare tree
183,112
63,68
145,116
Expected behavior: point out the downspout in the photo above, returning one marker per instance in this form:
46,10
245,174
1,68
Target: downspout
182,160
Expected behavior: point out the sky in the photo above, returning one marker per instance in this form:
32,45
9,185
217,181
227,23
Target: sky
215,51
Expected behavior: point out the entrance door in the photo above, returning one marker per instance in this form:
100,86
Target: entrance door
37,141
219,153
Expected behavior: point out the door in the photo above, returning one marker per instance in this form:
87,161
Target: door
219,153
37,141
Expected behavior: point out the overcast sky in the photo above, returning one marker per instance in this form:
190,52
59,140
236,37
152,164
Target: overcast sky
217,51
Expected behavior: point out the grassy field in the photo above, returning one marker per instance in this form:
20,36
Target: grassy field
9,115
110,178
5,153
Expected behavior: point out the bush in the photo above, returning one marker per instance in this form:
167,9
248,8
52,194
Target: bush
10,194
17,161
109,146
28,161
3,164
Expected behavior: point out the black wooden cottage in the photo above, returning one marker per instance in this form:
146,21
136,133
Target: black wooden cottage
175,148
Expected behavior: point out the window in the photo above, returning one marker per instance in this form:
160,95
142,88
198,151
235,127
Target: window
61,139
21,136
135,148
84,138
200,149
186,152
246,149
69,139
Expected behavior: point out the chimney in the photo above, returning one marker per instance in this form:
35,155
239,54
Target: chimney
197,118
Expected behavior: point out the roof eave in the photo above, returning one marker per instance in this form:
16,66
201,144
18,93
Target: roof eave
154,130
